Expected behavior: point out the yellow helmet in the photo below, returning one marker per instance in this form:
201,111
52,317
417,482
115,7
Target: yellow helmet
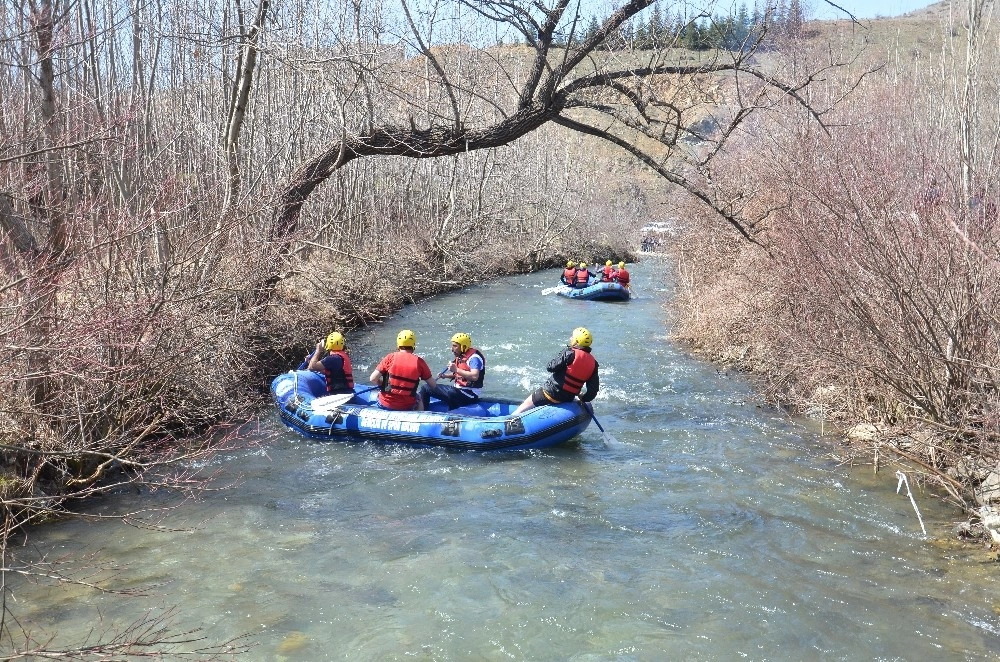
406,338
621,265
335,341
571,263
581,337
608,263
583,265
464,341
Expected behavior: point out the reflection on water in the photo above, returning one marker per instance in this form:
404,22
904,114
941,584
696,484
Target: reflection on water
709,529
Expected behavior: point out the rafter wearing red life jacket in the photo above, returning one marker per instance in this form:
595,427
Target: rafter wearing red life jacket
338,372
576,375
462,362
582,278
404,375
622,276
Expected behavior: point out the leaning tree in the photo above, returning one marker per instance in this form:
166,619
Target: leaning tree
456,89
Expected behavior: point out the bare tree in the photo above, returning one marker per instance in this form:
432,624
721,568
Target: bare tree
648,104
876,300
246,68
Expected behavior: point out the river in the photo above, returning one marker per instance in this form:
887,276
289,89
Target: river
703,527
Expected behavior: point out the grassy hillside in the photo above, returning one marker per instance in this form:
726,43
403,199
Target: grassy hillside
917,33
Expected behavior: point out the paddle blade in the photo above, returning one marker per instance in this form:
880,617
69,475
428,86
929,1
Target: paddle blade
330,402
609,440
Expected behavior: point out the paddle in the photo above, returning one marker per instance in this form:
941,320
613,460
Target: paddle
550,290
328,402
608,439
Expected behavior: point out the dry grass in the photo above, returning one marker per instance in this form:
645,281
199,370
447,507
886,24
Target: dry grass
920,33
873,298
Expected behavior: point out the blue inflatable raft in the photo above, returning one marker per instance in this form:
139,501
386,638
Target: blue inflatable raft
599,291
485,426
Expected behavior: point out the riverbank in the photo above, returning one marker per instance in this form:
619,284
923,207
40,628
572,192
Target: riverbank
873,368
201,357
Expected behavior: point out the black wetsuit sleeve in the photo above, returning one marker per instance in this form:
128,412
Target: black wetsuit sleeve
593,385
561,361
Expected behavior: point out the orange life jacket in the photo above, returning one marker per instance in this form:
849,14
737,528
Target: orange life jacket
577,372
463,363
400,388
582,277
341,381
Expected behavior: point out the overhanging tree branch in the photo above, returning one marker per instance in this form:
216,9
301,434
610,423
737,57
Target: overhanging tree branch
590,74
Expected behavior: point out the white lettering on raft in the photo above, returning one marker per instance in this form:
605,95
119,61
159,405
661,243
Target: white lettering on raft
283,387
380,420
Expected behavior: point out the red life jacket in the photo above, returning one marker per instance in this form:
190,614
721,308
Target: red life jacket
622,276
582,277
578,372
341,381
463,363
569,275
609,272
400,388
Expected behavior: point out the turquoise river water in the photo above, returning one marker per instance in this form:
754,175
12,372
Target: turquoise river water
703,528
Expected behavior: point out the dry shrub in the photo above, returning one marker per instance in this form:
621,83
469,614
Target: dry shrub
118,352
871,295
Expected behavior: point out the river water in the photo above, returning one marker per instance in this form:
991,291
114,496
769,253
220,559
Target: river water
703,527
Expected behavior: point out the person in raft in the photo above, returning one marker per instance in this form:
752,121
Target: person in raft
573,369
399,373
467,370
335,366
568,276
608,272
582,277
621,275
